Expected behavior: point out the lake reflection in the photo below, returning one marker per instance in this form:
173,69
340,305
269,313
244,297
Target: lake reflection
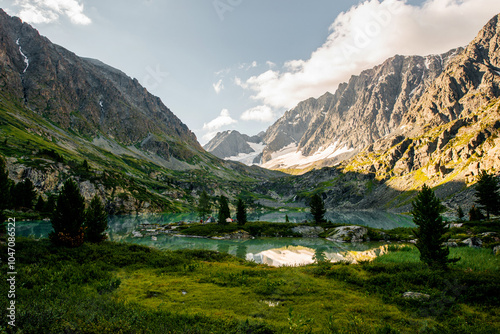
272,251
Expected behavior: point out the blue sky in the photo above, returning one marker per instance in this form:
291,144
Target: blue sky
240,64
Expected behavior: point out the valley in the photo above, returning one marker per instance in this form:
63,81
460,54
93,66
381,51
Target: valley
311,226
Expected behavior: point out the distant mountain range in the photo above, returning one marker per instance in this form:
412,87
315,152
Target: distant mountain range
232,145
409,121
334,127
443,135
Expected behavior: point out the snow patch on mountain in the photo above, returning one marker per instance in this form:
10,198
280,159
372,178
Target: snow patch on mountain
249,158
291,157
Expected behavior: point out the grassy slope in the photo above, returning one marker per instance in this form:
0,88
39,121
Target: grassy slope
124,288
24,135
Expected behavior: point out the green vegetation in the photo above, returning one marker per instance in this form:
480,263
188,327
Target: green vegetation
69,217
96,221
255,229
224,212
204,206
317,208
141,183
121,288
487,193
426,213
241,212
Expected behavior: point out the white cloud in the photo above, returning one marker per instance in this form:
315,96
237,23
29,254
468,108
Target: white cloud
47,11
222,120
218,86
270,64
365,36
260,113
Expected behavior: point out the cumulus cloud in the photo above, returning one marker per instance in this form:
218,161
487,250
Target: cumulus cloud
260,113
47,11
215,125
365,36
218,86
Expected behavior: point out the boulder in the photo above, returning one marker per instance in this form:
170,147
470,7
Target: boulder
452,244
349,234
473,242
308,231
496,250
416,295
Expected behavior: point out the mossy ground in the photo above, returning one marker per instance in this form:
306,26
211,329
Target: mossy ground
121,288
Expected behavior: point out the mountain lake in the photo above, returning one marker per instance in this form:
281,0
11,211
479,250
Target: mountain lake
271,251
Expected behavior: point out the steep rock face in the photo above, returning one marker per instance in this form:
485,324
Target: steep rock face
468,83
83,95
292,126
450,134
367,108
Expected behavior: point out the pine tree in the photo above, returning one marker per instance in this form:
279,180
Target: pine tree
224,212
317,208
68,217
3,220
5,185
204,205
96,221
24,194
426,213
487,193
50,205
241,212
40,204
460,214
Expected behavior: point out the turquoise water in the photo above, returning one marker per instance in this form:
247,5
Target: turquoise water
273,251
122,225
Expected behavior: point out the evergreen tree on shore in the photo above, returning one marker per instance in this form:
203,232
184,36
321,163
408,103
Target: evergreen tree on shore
204,205
241,212
5,186
426,213
487,193
317,208
68,217
96,221
24,194
224,212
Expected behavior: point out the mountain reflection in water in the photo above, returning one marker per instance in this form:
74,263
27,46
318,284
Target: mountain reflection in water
299,255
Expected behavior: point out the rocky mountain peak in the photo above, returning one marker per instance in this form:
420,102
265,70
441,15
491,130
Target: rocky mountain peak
80,94
368,107
469,81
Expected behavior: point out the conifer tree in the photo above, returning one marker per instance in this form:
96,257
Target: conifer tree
317,208
241,212
460,214
204,205
96,221
68,217
5,185
487,194
24,194
426,213
224,212
40,204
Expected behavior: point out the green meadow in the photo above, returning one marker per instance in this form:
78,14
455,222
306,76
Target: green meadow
124,288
